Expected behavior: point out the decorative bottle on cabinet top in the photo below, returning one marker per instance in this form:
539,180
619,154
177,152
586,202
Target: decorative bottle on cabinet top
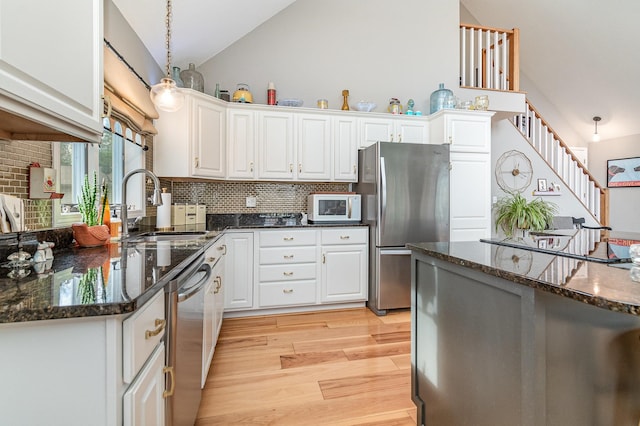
176,77
439,98
192,79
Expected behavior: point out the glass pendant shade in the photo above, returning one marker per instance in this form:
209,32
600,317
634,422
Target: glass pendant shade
166,96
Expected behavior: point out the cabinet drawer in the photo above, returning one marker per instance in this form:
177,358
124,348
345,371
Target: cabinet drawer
290,293
141,333
302,271
345,236
216,252
287,238
287,255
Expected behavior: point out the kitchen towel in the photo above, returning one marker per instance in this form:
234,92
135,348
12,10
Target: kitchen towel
163,219
14,210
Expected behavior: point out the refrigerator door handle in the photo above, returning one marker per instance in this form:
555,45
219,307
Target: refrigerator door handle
383,192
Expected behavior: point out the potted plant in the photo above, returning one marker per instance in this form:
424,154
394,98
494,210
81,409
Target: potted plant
514,212
91,232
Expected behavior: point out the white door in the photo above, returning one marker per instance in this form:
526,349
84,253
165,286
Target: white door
241,144
582,153
238,293
143,402
345,149
275,146
209,139
314,147
344,273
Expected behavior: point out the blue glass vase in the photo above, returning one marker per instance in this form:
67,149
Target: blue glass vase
439,98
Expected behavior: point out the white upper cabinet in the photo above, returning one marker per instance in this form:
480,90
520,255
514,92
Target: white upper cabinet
241,140
51,60
345,149
393,129
191,142
313,147
275,145
466,131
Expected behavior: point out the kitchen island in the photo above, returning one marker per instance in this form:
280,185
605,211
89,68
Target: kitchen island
505,335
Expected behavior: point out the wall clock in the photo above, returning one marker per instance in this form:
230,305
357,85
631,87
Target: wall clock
513,172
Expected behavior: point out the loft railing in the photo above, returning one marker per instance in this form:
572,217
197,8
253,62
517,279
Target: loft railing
490,58
564,163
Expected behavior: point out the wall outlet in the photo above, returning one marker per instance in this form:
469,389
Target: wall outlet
251,201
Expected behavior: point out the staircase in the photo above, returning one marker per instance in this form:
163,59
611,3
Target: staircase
489,60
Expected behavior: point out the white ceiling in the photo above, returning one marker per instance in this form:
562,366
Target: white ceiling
200,29
580,53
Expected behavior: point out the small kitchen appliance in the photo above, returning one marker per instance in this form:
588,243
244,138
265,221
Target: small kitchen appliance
338,207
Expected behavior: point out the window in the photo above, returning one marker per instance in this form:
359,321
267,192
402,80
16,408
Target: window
111,160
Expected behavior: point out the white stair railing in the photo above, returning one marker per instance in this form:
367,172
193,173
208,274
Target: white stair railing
566,165
489,58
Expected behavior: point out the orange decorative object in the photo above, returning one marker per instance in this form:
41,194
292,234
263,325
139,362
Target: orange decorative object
90,236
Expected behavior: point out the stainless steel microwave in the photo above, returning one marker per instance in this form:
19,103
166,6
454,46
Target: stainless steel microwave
334,208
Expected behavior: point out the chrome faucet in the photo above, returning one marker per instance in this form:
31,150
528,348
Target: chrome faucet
156,200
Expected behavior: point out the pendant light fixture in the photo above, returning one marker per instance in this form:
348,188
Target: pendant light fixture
596,136
165,95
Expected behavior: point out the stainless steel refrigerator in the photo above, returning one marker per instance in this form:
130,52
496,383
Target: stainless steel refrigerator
405,198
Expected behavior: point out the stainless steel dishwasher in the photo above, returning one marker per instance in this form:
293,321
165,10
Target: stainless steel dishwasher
185,314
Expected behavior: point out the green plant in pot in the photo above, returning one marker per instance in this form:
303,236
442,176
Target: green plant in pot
91,232
514,212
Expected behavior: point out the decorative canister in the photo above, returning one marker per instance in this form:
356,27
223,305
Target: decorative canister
482,103
394,106
192,79
439,98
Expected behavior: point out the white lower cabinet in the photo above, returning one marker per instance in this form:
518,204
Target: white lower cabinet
344,265
287,267
238,294
213,303
143,402
297,267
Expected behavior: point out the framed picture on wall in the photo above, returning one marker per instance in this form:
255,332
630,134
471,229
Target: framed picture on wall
623,172
542,185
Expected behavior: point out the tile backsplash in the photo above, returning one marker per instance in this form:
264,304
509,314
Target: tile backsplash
230,197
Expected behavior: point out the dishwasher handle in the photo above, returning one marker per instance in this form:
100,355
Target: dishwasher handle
192,290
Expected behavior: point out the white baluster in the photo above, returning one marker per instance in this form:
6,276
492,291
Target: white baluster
463,59
505,69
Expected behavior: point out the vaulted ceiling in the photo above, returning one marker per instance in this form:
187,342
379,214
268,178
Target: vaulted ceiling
581,54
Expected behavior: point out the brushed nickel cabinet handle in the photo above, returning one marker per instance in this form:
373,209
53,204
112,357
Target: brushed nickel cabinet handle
288,238
288,256
211,259
391,137
291,167
287,290
223,247
354,169
197,162
344,237
251,166
399,137
450,139
299,167
160,324
172,389
288,274
218,281
324,258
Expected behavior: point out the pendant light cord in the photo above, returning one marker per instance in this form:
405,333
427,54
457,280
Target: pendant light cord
168,39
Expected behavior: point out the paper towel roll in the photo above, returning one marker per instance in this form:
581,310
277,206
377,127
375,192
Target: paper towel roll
163,219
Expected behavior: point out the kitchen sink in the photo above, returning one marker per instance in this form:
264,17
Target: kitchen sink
150,237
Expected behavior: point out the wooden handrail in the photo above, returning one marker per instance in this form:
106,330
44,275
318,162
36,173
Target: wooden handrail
564,145
480,27
604,192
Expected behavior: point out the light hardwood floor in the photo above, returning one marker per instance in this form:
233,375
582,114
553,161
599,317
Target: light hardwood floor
345,367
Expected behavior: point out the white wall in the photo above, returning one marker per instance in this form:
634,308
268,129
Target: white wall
505,137
624,202
119,33
378,49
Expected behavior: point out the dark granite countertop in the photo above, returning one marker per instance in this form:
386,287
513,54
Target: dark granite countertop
114,279
607,286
